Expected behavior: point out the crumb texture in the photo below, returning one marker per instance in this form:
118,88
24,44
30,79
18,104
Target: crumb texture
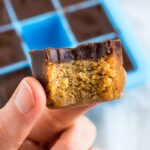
84,81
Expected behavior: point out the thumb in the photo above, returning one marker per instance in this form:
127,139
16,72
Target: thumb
20,114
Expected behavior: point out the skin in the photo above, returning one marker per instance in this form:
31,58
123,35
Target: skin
27,124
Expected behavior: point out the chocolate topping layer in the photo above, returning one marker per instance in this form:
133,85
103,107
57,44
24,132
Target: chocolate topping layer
83,51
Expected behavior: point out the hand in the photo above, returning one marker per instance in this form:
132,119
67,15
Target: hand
26,123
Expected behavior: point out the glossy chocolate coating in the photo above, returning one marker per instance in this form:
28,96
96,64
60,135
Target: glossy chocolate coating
83,51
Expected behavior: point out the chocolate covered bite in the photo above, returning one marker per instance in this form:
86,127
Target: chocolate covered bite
10,48
83,75
29,8
70,2
4,18
9,82
89,22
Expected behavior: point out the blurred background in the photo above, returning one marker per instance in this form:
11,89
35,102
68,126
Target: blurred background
121,125
126,126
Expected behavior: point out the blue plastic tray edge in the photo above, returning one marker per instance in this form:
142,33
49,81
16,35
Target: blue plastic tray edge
141,73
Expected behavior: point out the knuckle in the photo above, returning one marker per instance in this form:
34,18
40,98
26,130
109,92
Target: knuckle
55,121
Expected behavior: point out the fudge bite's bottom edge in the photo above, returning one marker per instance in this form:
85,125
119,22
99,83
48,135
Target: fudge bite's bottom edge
84,75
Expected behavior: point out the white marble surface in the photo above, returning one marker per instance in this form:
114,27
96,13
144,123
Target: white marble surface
125,125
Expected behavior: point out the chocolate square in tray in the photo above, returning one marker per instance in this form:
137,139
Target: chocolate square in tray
9,82
4,18
29,8
86,74
89,22
70,2
128,65
10,48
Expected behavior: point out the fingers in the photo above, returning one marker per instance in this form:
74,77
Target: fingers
19,115
28,145
80,136
55,121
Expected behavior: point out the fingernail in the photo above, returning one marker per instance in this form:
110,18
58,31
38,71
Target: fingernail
24,99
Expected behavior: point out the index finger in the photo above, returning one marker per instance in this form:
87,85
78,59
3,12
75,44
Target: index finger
53,122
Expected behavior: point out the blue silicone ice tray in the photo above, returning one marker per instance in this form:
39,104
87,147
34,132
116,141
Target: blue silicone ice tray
52,29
